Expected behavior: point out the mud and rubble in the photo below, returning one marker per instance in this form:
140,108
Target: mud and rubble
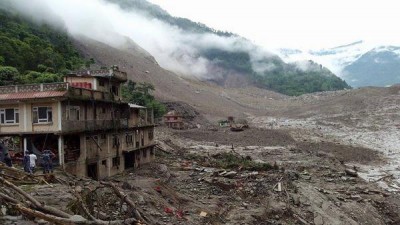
210,175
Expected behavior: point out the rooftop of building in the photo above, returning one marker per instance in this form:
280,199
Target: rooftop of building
173,113
112,73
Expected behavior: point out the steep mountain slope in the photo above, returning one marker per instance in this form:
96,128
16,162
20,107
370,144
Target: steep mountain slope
378,67
359,63
211,100
233,61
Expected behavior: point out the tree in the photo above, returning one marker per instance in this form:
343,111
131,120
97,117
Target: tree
141,94
8,75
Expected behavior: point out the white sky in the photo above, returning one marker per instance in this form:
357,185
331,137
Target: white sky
303,24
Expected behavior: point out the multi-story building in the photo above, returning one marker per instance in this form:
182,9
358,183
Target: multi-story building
83,120
174,120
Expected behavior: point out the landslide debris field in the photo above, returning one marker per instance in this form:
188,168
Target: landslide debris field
327,158
198,178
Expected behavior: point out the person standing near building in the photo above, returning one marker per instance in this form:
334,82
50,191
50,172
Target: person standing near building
27,162
7,160
47,161
32,161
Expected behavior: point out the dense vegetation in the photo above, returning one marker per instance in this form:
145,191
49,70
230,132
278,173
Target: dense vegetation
31,53
301,82
283,78
140,94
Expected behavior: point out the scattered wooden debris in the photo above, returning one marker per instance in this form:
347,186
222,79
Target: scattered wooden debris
28,205
351,172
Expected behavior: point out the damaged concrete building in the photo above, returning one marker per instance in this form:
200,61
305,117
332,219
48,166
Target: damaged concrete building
82,120
174,119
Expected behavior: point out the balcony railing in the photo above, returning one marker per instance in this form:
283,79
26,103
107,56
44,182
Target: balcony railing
81,93
33,88
90,94
122,76
93,125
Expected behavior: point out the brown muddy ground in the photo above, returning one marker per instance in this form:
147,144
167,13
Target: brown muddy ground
248,137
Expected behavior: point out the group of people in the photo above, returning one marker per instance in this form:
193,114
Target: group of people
30,158
29,161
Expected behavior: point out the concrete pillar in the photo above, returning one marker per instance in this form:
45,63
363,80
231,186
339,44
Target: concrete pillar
25,145
95,84
59,114
61,151
146,116
109,165
152,116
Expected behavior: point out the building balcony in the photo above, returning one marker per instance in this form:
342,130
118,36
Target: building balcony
69,126
89,94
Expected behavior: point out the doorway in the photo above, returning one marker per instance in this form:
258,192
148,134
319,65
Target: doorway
92,171
129,160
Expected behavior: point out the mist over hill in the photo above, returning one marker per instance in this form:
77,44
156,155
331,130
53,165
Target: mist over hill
178,44
359,63
377,67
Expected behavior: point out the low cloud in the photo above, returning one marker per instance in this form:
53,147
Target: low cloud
173,48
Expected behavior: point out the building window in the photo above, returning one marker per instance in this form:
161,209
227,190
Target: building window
74,113
114,90
103,110
101,83
151,135
115,141
129,139
42,115
9,116
104,162
115,161
144,153
152,151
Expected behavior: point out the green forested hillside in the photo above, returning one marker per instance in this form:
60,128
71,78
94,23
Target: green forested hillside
283,78
31,53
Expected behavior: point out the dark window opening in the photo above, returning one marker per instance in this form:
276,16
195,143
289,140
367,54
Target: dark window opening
42,115
9,116
144,153
115,161
129,139
115,141
114,90
92,171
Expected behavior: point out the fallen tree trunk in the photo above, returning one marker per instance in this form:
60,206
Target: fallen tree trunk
8,198
70,221
35,202
126,199
351,172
